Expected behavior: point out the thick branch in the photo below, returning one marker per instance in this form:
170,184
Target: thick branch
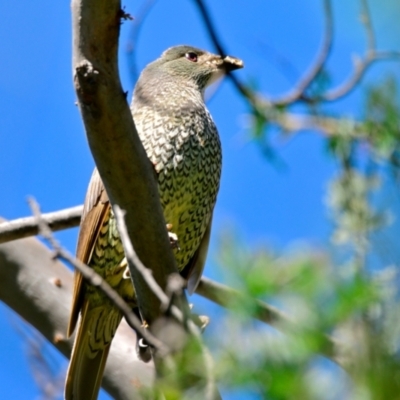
28,226
119,155
39,289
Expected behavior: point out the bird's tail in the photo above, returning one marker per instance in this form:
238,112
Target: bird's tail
89,354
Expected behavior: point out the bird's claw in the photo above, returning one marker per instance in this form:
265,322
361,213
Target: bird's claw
173,238
201,321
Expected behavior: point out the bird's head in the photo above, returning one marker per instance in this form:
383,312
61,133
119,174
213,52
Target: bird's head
194,65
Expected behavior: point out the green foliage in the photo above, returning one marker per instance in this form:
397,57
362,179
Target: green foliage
321,293
382,121
317,297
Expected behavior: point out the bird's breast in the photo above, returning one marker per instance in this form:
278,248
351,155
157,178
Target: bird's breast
186,153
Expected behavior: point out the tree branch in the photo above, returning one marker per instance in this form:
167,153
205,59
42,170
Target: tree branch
209,289
39,289
115,145
229,298
93,278
28,226
298,93
361,65
209,391
140,16
265,107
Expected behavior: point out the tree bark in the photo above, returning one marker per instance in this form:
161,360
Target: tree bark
120,157
39,289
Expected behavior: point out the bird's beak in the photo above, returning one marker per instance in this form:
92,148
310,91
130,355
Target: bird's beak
223,65
232,63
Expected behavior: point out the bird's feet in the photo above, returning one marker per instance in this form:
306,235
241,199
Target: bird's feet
201,321
143,350
173,238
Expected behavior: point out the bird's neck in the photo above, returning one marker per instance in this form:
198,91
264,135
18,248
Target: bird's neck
169,94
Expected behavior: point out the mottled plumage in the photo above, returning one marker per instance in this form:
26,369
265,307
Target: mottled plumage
181,141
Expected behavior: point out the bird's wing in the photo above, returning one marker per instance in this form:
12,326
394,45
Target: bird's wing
95,209
194,268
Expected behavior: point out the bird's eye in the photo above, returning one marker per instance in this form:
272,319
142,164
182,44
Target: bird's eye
191,56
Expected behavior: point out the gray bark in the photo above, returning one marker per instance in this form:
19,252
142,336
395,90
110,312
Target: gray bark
126,172
28,226
39,289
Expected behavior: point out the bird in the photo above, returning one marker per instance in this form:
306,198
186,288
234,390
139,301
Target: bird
182,143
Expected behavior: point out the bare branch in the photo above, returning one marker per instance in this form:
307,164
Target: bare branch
361,65
118,152
134,37
360,68
210,391
39,289
94,279
264,107
134,260
299,93
24,227
228,297
367,21
213,291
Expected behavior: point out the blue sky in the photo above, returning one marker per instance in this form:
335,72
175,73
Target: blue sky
44,152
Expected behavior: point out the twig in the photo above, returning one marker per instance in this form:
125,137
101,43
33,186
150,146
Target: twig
362,64
228,298
299,92
360,67
93,278
367,21
263,106
133,258
134,261
134,35
28,226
